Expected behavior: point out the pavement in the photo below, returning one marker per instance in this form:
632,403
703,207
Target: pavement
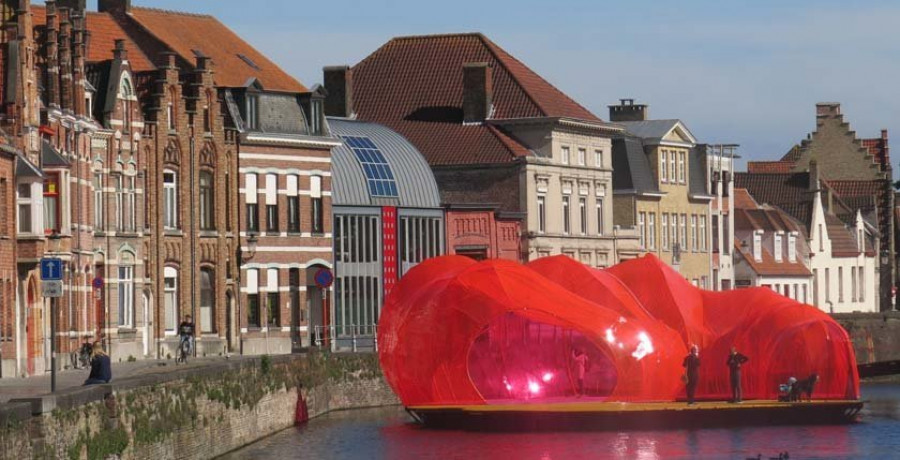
39,385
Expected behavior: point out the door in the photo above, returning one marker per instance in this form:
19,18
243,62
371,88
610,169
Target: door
33,328
147,311
315,308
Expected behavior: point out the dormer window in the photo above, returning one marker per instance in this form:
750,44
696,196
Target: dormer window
792,246
315,119
757,246
252,111
777,247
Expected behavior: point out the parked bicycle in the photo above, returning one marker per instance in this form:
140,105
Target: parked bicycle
184,350
81,359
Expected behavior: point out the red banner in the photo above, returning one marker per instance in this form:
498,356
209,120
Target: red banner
389,246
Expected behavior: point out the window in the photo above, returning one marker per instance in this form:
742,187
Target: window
293,204
566,215
815,287
853,284
253,318
120,204
170,292
130,205
207,202
681,167
51,203
207,301
271,203
821,240
682,237
564,156
598,158
757,246
663,166
651,231
695,238
318,219
777,247
804,294
98,201
170,200
542,214
378,172
599,215
642,228
315,119
828,285
862,284
582,153
294,288
665,231
170,116
703,235
25,205
840,281
126,296
250,196
252,110
673,224
582,211
672,178
273,305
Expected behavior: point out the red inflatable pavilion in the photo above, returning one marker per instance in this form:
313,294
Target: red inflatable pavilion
454,331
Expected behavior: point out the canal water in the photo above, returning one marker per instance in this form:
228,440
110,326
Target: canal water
388,433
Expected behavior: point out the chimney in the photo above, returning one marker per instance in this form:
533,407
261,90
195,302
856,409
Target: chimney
627,110
75,5
338,82
478,91
119,52
114,6
828,109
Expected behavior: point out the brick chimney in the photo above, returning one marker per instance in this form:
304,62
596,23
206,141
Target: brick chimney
478,91
114,6
828,109
119,52
627,110
76,5
338,81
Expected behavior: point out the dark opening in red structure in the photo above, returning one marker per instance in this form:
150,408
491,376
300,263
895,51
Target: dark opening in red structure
455,331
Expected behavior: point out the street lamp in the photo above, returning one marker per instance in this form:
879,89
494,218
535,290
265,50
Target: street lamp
54,240
252,241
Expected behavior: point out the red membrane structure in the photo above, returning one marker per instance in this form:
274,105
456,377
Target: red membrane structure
455,331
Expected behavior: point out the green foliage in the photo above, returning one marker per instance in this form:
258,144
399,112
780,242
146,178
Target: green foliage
131,359
265,364
100,446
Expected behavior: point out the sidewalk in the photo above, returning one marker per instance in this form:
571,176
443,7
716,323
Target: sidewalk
40,385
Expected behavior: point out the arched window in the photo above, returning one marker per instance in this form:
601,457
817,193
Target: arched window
207,201
318,218
170,294
207,301
170,199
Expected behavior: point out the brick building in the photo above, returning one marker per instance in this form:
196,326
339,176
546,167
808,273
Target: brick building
482,232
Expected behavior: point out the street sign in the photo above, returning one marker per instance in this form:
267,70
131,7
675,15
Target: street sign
52,288
51,269
97,283
324,278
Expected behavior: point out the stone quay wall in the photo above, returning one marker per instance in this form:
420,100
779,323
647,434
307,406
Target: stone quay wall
875,336
191,414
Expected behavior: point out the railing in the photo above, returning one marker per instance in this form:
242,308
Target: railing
346,337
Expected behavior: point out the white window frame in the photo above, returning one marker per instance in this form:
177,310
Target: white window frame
582,212
757,245
792,246
542,213
663,166
642,228
99,205
682,238
170,200
564,154
598,158
664,223
682,163
567,214
599,208
125,285
170,273
651,230
703,235
778,244
695,238
582,156
120,202
672,171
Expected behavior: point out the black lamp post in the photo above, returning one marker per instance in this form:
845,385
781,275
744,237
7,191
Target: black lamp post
252,241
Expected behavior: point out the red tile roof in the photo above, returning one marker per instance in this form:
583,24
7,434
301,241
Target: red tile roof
184,32
743,199
414,85
104,33
871,188
769,267
843,242
877,147
181,33
770,166
793,154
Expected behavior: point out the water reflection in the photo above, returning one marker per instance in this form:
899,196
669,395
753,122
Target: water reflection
388,433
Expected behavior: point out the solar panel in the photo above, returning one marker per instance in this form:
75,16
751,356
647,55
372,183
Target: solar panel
378,171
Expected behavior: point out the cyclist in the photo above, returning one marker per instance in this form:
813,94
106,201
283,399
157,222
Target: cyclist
186,334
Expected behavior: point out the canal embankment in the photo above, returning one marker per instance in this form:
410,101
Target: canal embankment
193,413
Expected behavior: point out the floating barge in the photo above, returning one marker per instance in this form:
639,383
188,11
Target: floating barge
600,415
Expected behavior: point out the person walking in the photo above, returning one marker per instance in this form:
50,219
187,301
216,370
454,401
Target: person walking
691,365
734,363
101,367
580,359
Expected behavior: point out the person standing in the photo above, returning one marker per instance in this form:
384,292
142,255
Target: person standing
186,334
734,363
691,365
580,359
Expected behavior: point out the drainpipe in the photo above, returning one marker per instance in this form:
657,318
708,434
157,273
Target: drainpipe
193,242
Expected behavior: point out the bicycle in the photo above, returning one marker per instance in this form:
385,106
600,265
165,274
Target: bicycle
184,350
81,359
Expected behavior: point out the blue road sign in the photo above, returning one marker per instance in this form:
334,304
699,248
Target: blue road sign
97,283
51,269
324,278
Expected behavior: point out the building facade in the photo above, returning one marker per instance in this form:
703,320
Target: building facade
481,232
661,188
495,132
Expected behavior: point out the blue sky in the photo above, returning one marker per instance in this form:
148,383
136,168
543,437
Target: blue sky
734,71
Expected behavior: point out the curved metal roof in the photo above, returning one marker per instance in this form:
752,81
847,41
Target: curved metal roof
416,187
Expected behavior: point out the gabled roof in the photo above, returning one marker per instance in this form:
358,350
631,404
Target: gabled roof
414,85
848,188
763,167
25,168
633,172
415,182
743,199
768,266
653,131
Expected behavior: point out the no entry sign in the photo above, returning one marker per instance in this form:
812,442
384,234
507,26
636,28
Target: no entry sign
324,278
